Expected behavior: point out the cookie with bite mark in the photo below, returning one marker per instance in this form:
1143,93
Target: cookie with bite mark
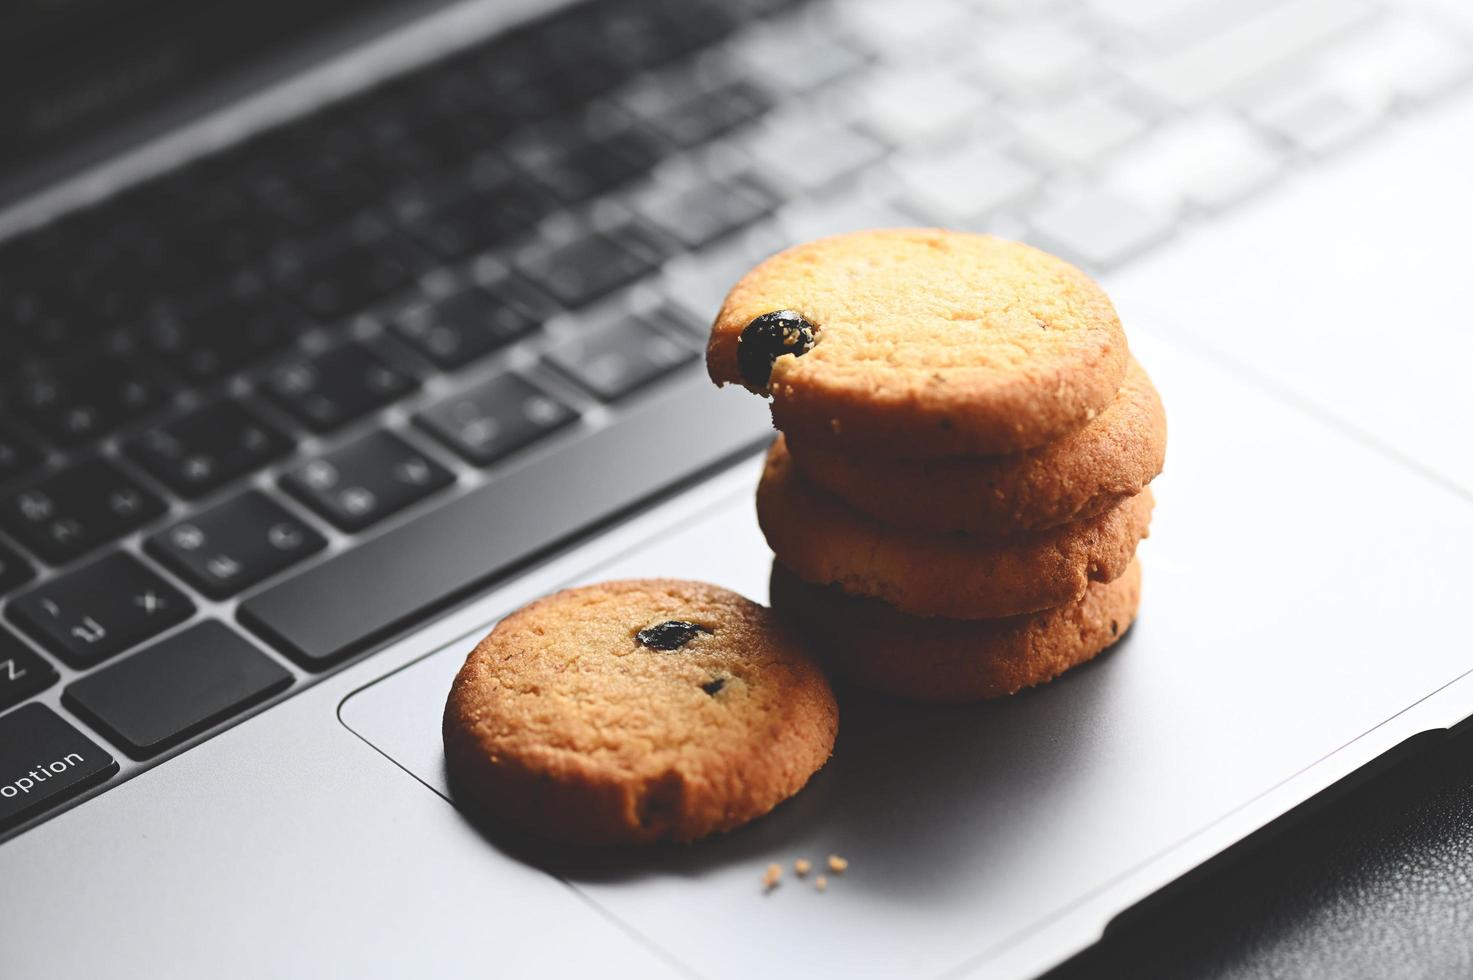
921,342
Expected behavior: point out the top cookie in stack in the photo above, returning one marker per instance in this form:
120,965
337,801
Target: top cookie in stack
966,447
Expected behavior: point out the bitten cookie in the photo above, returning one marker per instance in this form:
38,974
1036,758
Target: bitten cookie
874,646
636,711
921,343
1078,475
824,540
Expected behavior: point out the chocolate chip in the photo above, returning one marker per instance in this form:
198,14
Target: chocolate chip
711,687
767,338
670,635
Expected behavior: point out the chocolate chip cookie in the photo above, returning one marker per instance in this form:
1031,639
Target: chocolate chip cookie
933,659
1082,473
636,711
824,540
921,343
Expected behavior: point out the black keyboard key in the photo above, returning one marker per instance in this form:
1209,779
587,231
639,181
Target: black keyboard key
364,595
122,287
221,233
584,73
495,418
590,268
324,391
208,447
586,169
23,672
365,481
341,273
480,171
169,693
708,115
70,512
40,322
617,358
408,144
14,570
654,34
453,221
697,216
217,341
87,399
518,100
234,545
16,455
35,319
99,610
642,34
286,201
454,330
43,762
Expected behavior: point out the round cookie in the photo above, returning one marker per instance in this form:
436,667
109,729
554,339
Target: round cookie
1079,475
921,343
824,541
635,711
875,646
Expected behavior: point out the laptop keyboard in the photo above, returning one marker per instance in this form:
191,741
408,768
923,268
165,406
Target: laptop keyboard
235,398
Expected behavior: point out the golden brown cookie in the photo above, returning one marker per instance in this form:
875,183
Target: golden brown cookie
875,646
920,343
636,711
1080,474
824,540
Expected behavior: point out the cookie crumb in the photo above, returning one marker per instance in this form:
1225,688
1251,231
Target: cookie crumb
802,866
821,883
772,877
837,864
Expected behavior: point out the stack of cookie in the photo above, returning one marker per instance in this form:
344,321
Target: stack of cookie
959,485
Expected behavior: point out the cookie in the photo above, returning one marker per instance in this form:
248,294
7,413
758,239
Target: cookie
636,711
1078,475
824,540
875,646
920,343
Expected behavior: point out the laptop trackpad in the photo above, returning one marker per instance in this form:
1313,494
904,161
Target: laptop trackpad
1299,591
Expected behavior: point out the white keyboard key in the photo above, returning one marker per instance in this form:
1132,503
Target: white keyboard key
1208,162
1247,51
1030,61
700,281
817,219
1142,17
1408,57
1317,117
1164,23
901,31
788,56
807,153
1078,131
1019,10
1458,14
1098,228
907,105
963,183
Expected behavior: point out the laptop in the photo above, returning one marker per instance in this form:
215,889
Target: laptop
332,332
